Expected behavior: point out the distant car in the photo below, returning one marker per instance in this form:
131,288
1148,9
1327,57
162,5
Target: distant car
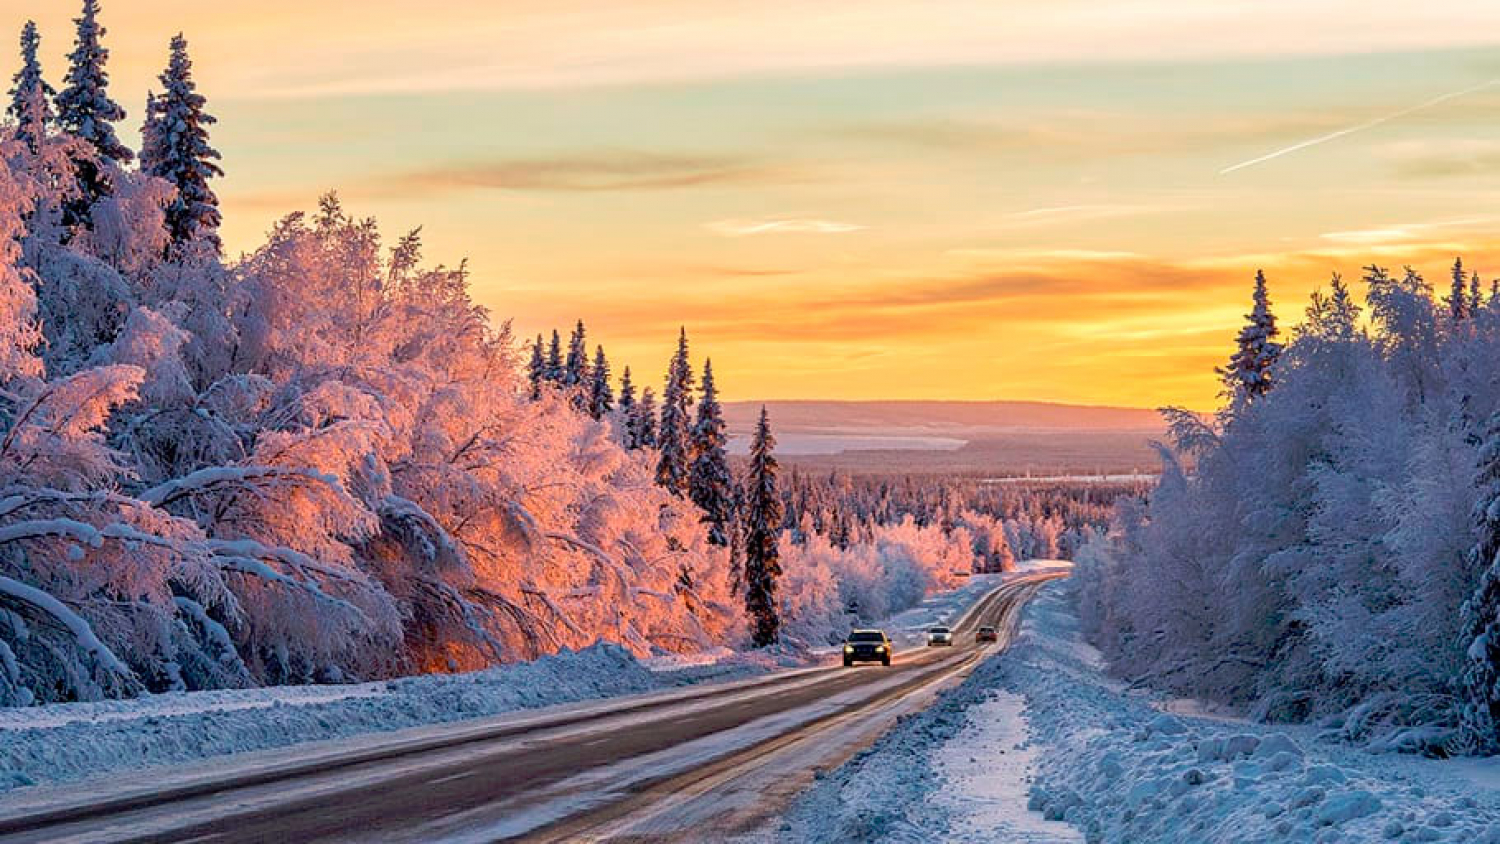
939,637
986,634
867,646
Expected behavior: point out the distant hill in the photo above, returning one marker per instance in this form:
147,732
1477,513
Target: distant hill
991,438
939,416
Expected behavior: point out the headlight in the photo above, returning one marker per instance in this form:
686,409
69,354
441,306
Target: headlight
848,649
880,649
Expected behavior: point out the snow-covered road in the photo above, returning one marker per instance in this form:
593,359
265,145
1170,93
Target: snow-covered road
665,764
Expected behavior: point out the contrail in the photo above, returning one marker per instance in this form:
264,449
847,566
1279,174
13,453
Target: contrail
1369,124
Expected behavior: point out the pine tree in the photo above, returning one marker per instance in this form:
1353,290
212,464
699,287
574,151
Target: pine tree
709,483
176,149
1475,299
576,368
1481,613
601,395
644,420
85,111
536,370
1458,298
1248,375
30,95
625,412
554,359
763,515
672,436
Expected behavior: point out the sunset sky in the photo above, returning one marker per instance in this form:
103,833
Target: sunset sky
966,199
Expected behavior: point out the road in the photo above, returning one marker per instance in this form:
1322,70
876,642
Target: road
717,761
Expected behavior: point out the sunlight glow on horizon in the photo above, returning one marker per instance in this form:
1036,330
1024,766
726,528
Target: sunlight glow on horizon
958,199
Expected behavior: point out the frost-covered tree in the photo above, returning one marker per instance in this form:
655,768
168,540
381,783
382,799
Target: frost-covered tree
30,95
1481,612
625,411
85,111
709,483
555,371
1248,375
643,420
673,435
536,369
601,392
763,514
176,149
1457,299
576,367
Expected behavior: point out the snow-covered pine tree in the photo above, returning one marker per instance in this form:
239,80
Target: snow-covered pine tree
763,515
709,482
1248,375
673,434
643,423
1475,300
555,359
576,367
625,411
30,95
175,148
536,369
85,111
1457,299
601,394
1481,613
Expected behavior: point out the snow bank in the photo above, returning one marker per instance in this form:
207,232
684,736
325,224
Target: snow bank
1121,770
70,741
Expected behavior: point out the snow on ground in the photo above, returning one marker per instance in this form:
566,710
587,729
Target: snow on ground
1041,719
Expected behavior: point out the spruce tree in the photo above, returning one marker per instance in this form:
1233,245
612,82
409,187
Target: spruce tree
176,149
601,395
1480,615
672,436
1248,375
30,95
709,483
85,111
576,368
763,515
1475,299
625,412
554,371
536,370
644,424
1458,298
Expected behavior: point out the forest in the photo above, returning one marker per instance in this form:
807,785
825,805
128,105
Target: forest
322,461
1332,557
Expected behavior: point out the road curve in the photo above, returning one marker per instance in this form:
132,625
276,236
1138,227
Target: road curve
673,766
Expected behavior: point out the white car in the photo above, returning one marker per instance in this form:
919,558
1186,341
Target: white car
940,637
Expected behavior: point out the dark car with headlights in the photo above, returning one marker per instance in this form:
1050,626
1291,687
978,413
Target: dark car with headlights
867,646
986,634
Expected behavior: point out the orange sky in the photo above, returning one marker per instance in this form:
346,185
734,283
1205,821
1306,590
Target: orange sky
952,199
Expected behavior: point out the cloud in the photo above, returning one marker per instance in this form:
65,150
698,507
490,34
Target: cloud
594,172
741,228
1407,232
1433,159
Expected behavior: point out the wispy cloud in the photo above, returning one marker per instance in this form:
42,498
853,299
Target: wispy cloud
794,225
596,171
1359,127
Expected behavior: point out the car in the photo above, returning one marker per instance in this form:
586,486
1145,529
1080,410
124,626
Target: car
940,637
986,634
867,646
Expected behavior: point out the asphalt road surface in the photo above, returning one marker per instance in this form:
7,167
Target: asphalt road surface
713,761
